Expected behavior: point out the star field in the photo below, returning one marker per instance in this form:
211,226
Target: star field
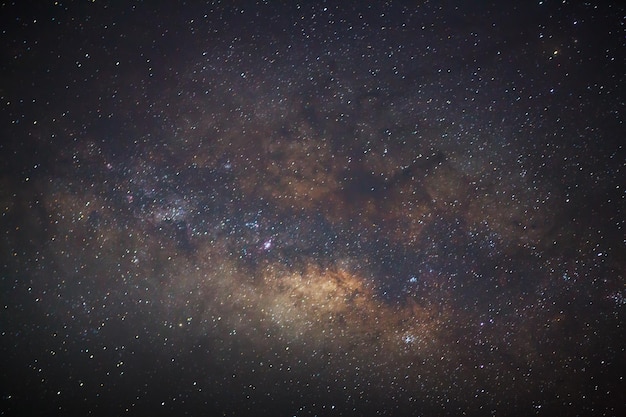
311,209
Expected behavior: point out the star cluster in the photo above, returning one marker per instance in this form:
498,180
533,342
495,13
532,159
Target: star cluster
313,209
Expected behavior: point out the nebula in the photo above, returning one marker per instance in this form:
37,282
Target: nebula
312,210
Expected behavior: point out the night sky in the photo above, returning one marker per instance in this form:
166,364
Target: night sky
313,208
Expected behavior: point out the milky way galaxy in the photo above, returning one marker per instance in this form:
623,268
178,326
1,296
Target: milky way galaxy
306,209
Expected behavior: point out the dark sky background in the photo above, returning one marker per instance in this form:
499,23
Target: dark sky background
312,208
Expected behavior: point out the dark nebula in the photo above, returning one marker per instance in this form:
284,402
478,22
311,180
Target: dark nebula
313,209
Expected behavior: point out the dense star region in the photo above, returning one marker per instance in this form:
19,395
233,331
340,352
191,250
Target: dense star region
313,209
